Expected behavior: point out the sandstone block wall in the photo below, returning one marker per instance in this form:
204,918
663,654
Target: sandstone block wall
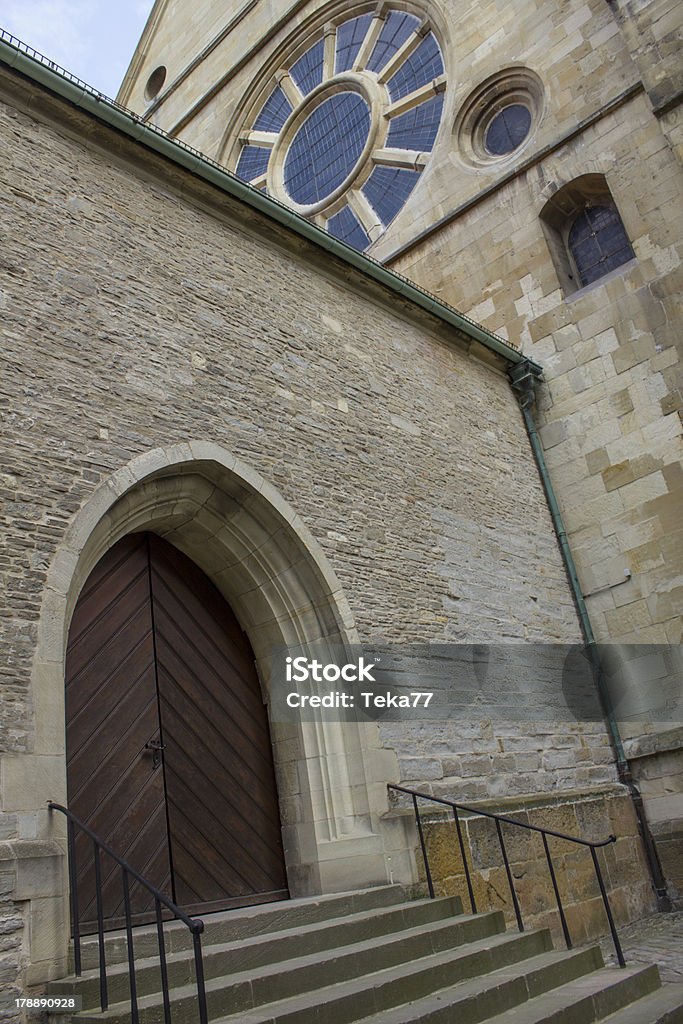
610,408
592,817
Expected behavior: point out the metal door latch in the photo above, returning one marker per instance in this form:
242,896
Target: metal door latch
156,746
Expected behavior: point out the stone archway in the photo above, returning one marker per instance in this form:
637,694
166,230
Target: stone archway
275,576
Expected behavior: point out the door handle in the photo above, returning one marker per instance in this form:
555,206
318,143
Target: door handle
156,746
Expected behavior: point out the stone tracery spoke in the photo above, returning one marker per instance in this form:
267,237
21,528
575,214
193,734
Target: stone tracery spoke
259,138
289,88
368,217
330,52
402,54
394,157
417,97
368,44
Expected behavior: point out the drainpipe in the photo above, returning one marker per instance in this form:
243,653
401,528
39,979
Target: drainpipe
524,376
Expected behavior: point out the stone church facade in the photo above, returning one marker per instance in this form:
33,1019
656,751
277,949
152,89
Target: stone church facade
483,220
339,452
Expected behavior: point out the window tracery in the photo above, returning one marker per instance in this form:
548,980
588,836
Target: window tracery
344,139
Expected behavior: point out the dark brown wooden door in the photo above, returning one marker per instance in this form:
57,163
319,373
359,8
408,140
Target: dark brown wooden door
156,658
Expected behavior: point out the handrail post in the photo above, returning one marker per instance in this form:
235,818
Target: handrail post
104,996
430,884
608,909
162,963
563,919
134,1015
465,865
195,925
515,903
545,832
199,973
73,881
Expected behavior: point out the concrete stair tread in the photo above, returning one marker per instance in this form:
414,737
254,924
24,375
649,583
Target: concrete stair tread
554,1004
291,961
265,918
525,981
600,995
665,1006
520,946
401,913
289,1011
365,947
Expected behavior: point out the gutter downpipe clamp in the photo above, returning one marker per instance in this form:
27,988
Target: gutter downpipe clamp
524,376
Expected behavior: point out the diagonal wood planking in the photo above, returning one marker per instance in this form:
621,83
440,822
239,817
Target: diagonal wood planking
155,652
111,712
222,801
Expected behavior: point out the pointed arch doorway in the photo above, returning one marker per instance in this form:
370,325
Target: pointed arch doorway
169,756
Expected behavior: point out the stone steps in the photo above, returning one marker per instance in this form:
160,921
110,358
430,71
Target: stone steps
245,923
387,936
665,1006
527,990
369,958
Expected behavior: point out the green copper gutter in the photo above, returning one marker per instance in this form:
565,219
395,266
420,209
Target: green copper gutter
130,124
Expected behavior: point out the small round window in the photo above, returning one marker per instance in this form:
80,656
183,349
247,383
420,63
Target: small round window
508,129
155,82
499,117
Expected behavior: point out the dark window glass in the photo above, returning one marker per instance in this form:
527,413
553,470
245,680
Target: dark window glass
423,66
346,226
598,242
326,147
387,189
417,128
253,162
397,28
508,129
274,112
350,35
308,70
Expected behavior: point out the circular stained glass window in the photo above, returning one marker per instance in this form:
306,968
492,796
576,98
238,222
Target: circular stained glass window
508,129
347,125
326,147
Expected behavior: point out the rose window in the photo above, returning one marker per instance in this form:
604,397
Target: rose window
348,126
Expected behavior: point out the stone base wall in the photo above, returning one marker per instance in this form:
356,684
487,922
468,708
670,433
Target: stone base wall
657,765
589,815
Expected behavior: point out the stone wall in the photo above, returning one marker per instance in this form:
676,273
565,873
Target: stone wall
593,817
609,411
382,434
658,770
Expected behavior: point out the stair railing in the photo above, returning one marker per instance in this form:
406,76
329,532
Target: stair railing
500,820
195,925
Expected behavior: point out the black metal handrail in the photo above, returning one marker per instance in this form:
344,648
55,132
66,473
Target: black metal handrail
195,925
500,820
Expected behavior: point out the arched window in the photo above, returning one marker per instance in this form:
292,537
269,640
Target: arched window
598,242
585,233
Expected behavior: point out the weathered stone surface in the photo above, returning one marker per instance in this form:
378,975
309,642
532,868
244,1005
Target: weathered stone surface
156,318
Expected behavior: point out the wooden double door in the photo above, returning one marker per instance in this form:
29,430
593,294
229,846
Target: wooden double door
169,757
